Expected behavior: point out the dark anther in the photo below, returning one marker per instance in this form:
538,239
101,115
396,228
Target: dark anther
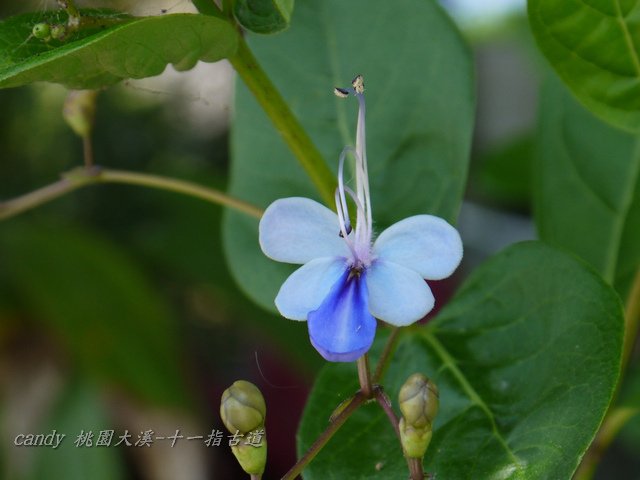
348,230
341,92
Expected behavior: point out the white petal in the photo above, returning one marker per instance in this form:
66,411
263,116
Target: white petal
397,295
307,287
297,230
424,243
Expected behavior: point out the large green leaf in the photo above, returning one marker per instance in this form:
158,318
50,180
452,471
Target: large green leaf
587,190
526,357
594,45
110,48
420,103
101,308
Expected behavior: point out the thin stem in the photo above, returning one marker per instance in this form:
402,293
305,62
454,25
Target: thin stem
384,401
415,468
255,476
612,424
322,440
285,122
82,177
227,8
386,355
206,7
364,375
414,464
87,151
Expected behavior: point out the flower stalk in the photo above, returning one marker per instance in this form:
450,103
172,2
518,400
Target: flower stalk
324,438
364,376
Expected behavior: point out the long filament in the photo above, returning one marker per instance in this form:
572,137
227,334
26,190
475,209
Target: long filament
361,147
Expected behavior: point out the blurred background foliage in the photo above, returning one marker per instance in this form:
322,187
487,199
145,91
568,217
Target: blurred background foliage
117,310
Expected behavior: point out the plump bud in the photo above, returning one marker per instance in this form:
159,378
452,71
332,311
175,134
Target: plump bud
242,407
79,111
418,400
243,411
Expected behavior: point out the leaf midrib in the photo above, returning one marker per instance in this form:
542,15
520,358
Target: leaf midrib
627,38
467,388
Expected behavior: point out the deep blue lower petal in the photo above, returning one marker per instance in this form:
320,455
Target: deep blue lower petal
342,329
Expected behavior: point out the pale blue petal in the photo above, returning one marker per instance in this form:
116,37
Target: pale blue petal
297,230
424,243
397,295
307,287
342,329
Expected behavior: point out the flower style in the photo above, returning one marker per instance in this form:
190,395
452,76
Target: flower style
347,280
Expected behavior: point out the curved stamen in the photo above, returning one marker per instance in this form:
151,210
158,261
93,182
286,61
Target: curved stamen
360,248
353,196
343,227
363,178
345,209
362,198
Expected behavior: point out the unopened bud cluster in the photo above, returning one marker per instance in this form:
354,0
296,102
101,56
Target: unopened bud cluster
243,411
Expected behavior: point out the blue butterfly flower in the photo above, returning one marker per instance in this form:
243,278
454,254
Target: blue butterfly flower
347,279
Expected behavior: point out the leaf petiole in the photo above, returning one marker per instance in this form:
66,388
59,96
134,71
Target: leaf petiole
81,177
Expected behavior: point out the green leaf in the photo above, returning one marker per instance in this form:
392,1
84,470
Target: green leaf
526,357
595,47
263,16
100,307
420,100
109,47
80,409
587,192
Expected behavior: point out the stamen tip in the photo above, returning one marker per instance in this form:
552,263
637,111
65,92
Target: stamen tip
358,84
341,92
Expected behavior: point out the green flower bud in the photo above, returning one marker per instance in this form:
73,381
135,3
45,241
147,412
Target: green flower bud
41,31
251,459
79,111
418,399
243,411
242,407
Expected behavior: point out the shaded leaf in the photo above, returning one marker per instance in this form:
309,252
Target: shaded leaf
526,357
263,16
594,46
109,47
420,102
587,189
